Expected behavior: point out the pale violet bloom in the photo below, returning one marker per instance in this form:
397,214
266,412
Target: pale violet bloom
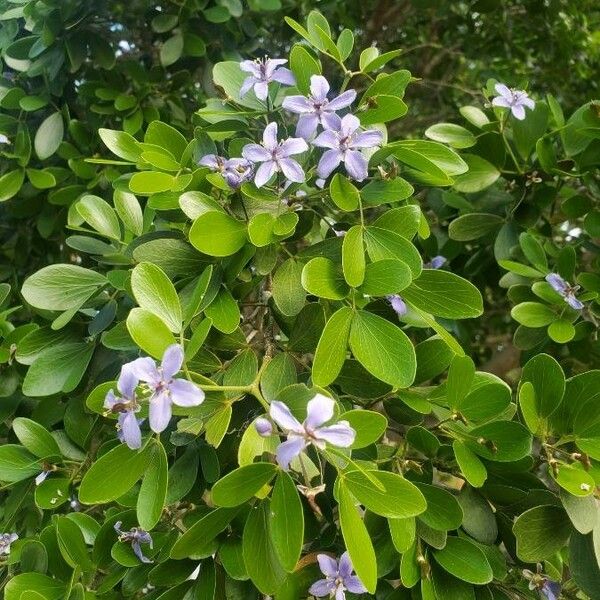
300,435
547,588
166,390
316,109
516,100
566,290
437,262
397,304
344,146
338,578
263,427
136,536
235,171
4,139
128,425
6,539
262,72
42,476
275,156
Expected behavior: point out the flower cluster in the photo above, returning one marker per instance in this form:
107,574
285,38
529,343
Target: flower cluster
163,388
341,137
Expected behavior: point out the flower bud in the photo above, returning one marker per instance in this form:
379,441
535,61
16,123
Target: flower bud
263,426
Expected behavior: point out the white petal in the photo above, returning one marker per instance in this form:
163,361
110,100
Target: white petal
270,136
319,87
297,104
265,172
319,410
282,415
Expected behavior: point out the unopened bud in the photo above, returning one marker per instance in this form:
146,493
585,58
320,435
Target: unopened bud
263,427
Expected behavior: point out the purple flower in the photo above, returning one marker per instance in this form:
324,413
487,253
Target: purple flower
516,100
6,539
338,578
128,425
235,171
567,291
274,156
397,304
300,435
547,588
436,262
136,536
345,144
263,427
316,109
262,72
165,389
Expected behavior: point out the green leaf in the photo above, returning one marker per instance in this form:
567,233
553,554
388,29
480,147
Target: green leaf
451,134
113,474
35,438
481,175
381,109
197,540
583,562
479,520
403,220
100,216
171,50
344,193
502,441
381,191
46,587
17,463
62,287
153,491
217,234
49,136
470,465
147,183
541,531
288,293
321,277
129,210
474,115
353,256
229,77
526,132
383,349
287,521
473,226
534,251
368,425
121,144
561,331
332,348
72,544
240,485
460,379
574,479
548,381
398,498
533,314
444,294
149,332
443,510
260,557
303,66
10,184
357,539
387,276
154,292
383,243
403,532
464,560
582,511
41,179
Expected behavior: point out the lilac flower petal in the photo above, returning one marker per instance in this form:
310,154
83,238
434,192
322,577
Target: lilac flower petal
110,400
127,382
185,393
160,412
117,527
320,588
343,100
287,451
503,90
557,282
297,104
4,139
349,125
210,160
328,163
340,434
345,566
292,170
327,139
271,65
282,415
130,430
284,76
328,565
264,173
528,102
263,427
319,410
293,146
172,360
437,262
138,552
367,139
307,125
250,66
551,589
247,85
319,87
398,305
255,153
270,137
354,585
330,120
502,102
573,302
518,112
261,90
340,593
145,370
356,165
